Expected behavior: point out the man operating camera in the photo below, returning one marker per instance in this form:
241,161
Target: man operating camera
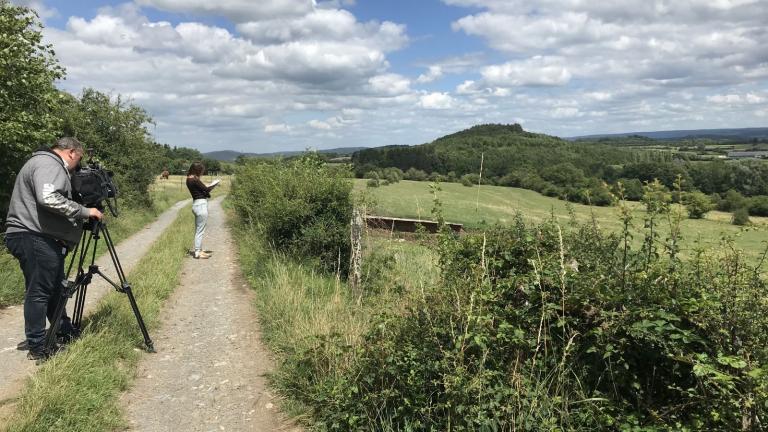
43,223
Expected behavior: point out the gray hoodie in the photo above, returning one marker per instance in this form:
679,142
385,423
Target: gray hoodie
42,200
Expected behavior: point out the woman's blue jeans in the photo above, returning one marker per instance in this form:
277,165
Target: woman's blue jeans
200,209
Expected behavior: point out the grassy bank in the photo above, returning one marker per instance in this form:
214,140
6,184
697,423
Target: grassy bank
301,310
476,207
79,388
131,220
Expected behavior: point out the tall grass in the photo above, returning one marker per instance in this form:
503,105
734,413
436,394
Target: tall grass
306,316
78,390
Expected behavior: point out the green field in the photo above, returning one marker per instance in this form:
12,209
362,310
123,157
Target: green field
477,207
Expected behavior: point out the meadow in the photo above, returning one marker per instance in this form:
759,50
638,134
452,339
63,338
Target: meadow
487,205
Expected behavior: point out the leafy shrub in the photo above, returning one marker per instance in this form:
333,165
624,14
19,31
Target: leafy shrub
469,180
758,206
633,189
740,216
301,206
534,329
415,174
437,177
732,200
392,175
697,203
372,183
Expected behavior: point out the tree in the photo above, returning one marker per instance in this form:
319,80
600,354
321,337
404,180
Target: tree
740,216
697,203
28,69
116,131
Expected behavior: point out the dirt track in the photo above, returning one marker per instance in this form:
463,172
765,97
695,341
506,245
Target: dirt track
15,366
208,373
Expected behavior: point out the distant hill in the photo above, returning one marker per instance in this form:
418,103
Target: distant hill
729,134
501,147
231,156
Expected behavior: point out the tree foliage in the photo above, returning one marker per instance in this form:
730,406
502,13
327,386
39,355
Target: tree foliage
28,98
302,206
117,133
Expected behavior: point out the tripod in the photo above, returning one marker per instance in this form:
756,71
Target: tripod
93,230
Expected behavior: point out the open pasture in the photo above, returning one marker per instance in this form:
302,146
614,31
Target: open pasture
478,207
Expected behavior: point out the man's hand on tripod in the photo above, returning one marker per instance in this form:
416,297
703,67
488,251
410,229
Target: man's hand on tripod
95,213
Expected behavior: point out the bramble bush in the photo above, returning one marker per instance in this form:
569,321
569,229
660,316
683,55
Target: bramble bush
532,328
302,206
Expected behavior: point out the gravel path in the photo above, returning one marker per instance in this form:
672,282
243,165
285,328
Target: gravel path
15,366
208,373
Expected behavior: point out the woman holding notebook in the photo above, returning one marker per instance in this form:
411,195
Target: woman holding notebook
200,194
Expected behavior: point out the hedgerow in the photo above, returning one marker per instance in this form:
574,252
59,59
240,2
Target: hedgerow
535,328
301,206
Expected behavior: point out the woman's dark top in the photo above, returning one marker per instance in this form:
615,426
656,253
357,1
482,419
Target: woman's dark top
198,189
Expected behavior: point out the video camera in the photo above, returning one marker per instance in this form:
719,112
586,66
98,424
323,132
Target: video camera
92,186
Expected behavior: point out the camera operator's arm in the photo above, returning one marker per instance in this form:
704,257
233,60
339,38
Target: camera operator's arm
49,187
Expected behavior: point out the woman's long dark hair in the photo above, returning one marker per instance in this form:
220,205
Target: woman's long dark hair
196,169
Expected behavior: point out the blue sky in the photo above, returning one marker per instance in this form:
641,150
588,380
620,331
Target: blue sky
271,75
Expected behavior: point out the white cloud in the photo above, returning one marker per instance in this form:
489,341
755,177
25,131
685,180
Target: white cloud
390,84
537,71
432,74
725,99
236,10
467,87
753,98
566,112
437,101
319,124
276,128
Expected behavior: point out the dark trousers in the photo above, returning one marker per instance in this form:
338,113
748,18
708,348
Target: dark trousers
42,262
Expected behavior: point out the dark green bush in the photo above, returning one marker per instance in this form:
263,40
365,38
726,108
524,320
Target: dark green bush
469,180
758,206
302,206
697,203
731,201
415,174
392,175
531,329
740,216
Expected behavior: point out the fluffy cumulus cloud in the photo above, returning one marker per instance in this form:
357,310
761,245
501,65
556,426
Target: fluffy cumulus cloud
437,101
236,10
292,74
278,63
537,71
623,59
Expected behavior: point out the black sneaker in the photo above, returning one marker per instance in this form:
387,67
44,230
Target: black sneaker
23,346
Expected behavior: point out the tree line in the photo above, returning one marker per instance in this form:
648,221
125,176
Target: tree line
586,172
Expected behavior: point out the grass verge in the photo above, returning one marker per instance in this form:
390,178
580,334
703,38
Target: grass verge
79,389
301,309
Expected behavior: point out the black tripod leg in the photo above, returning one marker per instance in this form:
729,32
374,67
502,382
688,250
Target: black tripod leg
147,341
126,288
77,313
50,337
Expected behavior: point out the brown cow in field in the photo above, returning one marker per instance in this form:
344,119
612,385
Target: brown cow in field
164,175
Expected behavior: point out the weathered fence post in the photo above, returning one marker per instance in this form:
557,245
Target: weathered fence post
356,257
